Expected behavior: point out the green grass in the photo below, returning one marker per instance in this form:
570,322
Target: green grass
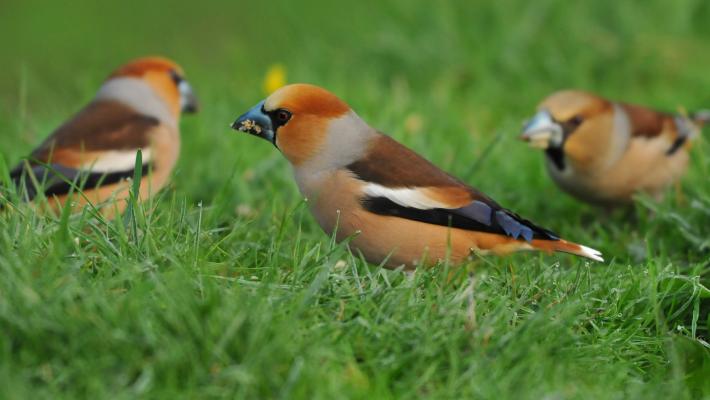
223,286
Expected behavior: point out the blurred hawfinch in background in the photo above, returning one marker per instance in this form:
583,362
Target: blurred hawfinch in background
400,208
603,152
137,107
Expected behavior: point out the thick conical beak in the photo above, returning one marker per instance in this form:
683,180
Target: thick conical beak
256,122
188,100
541,131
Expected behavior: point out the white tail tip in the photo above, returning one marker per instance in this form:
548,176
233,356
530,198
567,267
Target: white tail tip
589,252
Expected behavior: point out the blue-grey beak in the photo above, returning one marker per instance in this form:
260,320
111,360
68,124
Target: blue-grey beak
256,122
542,131
188,100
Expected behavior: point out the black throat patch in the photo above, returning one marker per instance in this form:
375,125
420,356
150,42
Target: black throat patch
557,156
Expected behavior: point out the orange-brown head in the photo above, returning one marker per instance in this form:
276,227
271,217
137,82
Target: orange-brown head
296,119
165,78
568,117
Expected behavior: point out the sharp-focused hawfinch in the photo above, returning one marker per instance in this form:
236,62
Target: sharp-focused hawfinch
603,152
137,107
398,207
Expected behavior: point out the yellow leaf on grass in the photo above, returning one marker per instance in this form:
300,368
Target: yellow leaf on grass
275,78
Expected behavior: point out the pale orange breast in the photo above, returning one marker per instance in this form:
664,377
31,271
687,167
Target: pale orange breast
644,167
334,201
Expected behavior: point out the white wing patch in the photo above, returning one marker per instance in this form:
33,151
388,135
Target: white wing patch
116,161
405,197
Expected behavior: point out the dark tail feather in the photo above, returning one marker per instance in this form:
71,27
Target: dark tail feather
29,179
22,181
56,180
16,181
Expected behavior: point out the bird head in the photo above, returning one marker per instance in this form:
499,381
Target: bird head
299,120
573,125
560,116
164,77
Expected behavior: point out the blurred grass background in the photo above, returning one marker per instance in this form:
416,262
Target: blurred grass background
241,297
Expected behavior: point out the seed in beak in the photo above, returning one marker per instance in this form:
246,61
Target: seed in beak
249,125
540,141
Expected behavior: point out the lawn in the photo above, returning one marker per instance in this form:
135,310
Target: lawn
224,286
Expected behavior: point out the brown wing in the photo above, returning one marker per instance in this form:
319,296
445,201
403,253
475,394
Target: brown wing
391,165
651,124
646,122
100,126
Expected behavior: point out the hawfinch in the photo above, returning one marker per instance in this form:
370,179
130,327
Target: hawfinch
137,107
603,152
398,208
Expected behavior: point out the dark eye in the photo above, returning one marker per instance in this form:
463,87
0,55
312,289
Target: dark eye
576,120
282,116
176,77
